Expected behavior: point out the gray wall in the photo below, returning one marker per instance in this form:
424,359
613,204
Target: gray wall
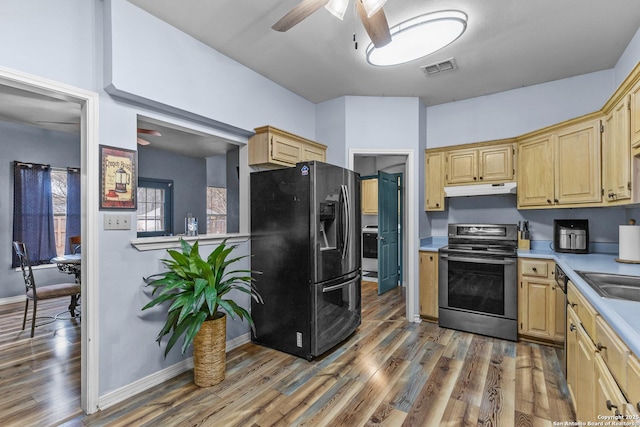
222,171
28,144
189,175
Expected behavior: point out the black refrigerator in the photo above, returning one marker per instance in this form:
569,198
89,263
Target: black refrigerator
306,256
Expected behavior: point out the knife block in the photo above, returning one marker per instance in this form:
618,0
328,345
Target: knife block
524,244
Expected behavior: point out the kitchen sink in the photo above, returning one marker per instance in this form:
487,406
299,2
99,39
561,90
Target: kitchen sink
613,285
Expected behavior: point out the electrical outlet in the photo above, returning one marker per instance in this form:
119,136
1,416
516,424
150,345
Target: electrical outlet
117,221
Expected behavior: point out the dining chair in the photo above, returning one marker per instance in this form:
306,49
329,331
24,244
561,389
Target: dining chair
42,292
74,244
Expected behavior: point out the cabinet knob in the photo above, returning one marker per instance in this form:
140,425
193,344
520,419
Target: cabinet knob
437,205
431,258
553,288
480,178
474,178
534,269
573,304
638,406
572,328
601,347
610,405
555,201
549,201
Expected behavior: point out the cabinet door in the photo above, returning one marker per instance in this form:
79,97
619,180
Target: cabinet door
577,164
495,164
369,196
635,115
609,400
585,381
462,167
310,153
559,318
434,185
633,382
535,172
285,150
429,284
538,312
572,353
616,154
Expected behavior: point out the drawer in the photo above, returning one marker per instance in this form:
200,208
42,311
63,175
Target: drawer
613,351
585,311
633,382
536,267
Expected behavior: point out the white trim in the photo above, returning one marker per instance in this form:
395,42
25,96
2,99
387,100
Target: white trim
143,384
172,242
89,102
410,230
12,300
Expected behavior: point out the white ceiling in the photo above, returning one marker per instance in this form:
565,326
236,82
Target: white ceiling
508,44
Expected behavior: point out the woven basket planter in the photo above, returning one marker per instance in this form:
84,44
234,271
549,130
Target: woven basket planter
209,352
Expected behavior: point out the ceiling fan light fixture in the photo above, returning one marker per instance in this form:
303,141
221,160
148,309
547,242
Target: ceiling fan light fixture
419,37
337,8
372,6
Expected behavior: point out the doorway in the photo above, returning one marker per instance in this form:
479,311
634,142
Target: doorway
36,87
367,162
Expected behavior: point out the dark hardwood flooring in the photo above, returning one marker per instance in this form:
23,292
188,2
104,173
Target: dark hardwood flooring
390,373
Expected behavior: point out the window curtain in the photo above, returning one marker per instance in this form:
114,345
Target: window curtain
73,206
33,212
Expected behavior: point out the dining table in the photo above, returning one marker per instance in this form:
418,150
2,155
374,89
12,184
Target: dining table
70,264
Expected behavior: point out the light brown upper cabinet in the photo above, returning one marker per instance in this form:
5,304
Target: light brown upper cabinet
274,148
486,164
577,165
634,105
535,172
434,185
561,167
369,196
616,154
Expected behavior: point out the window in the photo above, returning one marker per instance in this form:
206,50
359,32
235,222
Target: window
46,209
155,207
216,210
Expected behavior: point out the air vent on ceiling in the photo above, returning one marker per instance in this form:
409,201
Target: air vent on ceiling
446,65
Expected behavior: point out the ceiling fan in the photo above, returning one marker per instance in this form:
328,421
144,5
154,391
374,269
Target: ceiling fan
147,132
141,141
370,12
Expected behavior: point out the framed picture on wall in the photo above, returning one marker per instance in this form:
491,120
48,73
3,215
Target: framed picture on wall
118,178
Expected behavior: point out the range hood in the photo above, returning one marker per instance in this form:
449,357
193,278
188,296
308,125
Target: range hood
480,189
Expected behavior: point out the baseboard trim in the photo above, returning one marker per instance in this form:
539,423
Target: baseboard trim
143,384
12,300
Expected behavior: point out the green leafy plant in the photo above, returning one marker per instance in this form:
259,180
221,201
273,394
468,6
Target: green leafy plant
197,289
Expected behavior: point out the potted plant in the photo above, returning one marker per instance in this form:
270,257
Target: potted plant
198,292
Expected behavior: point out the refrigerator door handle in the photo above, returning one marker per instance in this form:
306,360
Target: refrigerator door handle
340,285
347,223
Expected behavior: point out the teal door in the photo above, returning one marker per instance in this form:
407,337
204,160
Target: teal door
387,232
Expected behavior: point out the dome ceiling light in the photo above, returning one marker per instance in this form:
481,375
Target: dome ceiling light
419,37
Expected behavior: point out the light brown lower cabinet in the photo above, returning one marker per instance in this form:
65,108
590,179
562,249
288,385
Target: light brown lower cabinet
429,285
603,376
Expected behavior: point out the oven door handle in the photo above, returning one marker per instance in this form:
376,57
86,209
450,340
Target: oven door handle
504,261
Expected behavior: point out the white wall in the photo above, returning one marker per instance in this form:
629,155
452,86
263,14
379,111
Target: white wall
516,112
513,113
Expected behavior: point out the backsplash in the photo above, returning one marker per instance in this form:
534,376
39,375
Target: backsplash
603,222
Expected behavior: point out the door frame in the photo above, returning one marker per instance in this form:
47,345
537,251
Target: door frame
410,229
90,173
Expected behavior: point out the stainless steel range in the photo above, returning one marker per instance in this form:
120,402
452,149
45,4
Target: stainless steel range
478,284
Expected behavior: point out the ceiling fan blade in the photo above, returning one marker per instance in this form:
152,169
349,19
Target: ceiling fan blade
298,13
149,132
143,141
377,26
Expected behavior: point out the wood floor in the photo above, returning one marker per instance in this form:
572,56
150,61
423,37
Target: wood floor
390,373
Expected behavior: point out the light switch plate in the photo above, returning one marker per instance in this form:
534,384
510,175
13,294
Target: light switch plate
117,221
